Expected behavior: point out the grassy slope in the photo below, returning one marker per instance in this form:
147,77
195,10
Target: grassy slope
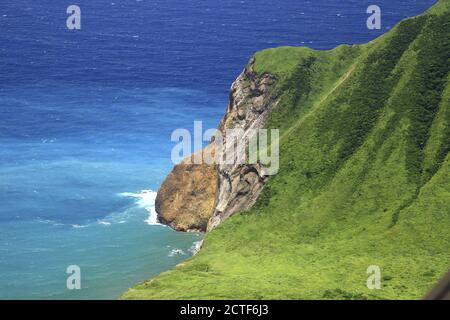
364,178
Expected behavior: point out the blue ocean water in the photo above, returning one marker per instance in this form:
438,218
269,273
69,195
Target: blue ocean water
86,118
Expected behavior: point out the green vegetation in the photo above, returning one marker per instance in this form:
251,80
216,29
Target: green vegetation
364,178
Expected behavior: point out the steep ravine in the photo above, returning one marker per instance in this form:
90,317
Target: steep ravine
198,197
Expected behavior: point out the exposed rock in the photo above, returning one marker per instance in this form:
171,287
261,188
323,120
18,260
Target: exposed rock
200,196
186,199
240,185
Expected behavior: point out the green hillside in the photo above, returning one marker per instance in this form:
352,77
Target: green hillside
364,178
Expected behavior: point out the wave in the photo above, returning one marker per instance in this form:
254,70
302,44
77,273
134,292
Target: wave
54,223
48,221
145,199
79,226
196,246
176,252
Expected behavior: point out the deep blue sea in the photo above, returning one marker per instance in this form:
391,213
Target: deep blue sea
86,117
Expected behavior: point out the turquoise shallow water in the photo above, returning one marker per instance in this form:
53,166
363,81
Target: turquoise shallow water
86,118
78,183
113,254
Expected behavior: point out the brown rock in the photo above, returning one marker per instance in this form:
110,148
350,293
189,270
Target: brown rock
186,199
198,197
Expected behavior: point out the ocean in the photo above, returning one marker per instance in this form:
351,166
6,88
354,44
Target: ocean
86,118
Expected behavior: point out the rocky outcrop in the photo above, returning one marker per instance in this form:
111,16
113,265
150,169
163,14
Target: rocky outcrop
239,185
186,199
200,196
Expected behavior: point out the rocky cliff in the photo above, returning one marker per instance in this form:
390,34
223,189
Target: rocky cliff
198,197
363,180
186,199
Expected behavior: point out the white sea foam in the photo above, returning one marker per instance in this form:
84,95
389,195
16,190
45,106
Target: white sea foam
176,252
50,222
197,245
145,199
79,226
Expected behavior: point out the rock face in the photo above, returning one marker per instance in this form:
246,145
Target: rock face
252,97
186,199
198,197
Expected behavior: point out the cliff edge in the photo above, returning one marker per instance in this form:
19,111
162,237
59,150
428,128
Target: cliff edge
363,180
198,197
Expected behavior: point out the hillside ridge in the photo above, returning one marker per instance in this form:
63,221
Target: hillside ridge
363,179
